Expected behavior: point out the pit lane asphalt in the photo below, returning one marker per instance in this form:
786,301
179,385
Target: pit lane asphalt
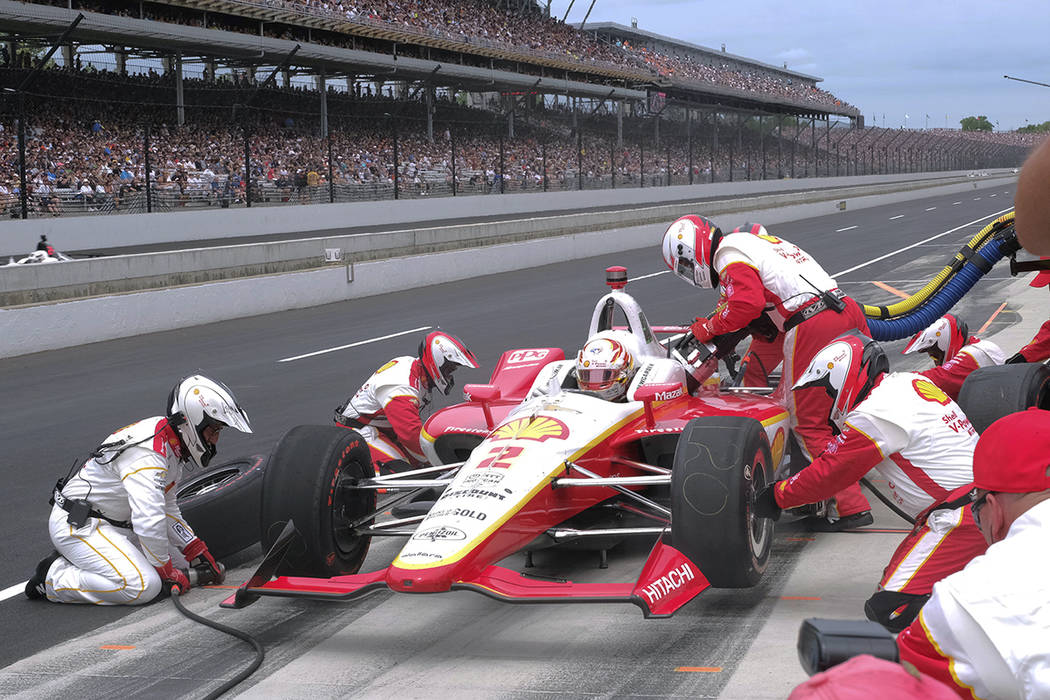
60,404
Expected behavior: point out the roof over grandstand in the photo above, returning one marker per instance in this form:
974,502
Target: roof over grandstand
615,28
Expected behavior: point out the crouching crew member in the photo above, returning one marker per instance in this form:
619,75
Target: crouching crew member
954,352
387,409
769,281
115,523
985,631
918,438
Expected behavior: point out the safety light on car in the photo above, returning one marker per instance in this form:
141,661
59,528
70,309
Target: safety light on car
616,276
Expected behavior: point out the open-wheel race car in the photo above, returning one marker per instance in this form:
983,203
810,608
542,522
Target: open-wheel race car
531,461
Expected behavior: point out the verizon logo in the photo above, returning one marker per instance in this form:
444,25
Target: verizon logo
668,583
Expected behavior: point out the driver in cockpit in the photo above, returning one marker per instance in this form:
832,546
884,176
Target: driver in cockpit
605,368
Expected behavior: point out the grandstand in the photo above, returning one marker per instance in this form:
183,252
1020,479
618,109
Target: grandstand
162,106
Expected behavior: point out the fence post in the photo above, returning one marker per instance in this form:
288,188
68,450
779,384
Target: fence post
502,188
668,162
714,143
145,151
689,131
247,167
452,145
780,146
579,157
23,196
612,162
543,156
641,159
331,182
397,164
762,135
730,158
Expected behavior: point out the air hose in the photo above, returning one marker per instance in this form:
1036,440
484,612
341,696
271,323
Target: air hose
903,319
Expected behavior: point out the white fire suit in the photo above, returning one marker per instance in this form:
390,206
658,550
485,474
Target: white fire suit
386,411
102,563
975,354
985,632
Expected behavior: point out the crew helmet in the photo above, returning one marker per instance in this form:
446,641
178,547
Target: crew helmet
441,353
847,368
604,367
754,229
689,249
197,402
941,340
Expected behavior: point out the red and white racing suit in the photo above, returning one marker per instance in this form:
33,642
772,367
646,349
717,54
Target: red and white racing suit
386,411
975,354
985,632
763,273
922,443
102,563
1038,349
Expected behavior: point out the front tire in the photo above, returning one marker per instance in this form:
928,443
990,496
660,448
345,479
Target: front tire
990,393
720,463
306,482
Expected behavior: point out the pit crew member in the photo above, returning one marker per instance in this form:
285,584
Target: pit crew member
908,429
115,523
1038,349
387,409
955,353
984,630
768,282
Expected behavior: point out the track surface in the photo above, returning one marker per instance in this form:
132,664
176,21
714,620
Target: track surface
58,405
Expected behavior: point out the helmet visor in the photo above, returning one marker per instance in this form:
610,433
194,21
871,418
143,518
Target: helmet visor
685,268
595,379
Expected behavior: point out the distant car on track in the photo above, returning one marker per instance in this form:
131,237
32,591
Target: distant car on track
530,461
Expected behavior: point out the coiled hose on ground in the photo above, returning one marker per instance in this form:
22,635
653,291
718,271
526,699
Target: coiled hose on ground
903,319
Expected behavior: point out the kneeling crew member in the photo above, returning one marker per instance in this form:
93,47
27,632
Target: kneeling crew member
985,631
115,523
954,352
910,431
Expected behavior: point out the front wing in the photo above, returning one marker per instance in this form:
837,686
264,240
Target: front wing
668,581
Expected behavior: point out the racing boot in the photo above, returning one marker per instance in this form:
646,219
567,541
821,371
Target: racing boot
849,522
36,586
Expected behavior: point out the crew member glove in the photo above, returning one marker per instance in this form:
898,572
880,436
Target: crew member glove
197,550
170,576
1016,359
701,330
766,503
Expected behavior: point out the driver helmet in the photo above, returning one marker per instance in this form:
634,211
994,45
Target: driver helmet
441,353
942,340
847,368
753,229
689,249
196,403
604,367
37,256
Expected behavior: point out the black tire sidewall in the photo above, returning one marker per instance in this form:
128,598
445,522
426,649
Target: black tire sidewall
990,393
227,517
300,485
713,480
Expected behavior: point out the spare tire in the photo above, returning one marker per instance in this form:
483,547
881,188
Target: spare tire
990,393
309,481
221,504
720,463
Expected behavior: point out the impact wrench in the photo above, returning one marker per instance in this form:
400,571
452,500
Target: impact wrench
203,575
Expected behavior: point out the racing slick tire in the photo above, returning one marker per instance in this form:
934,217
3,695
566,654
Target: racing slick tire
305,483
990,393
720,463
221,504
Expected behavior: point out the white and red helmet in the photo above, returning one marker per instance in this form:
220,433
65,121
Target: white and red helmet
941,340
753,229
689,249
847,368
441,353
604,367
196,403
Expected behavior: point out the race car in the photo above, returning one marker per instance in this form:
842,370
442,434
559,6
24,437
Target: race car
530,461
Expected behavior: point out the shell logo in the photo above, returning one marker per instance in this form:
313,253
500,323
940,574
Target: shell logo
930,392
540,429
777,448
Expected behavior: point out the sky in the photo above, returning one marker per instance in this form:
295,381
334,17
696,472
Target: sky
890,58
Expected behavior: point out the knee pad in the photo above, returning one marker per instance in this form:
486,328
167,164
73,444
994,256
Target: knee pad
146,589
894,610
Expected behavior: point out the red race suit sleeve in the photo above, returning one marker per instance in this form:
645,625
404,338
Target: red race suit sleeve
917,648
844,461
1039,348
403,414
950,376
743,299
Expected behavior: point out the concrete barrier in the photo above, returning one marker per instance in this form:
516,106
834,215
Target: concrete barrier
56,325
125,273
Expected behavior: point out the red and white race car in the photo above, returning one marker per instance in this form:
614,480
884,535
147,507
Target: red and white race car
530,461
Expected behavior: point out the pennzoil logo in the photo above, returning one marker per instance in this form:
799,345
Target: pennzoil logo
540,429
930,392
442,534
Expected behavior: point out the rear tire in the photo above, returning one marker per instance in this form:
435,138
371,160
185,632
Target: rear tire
990,393
221,504
720,463
305,483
